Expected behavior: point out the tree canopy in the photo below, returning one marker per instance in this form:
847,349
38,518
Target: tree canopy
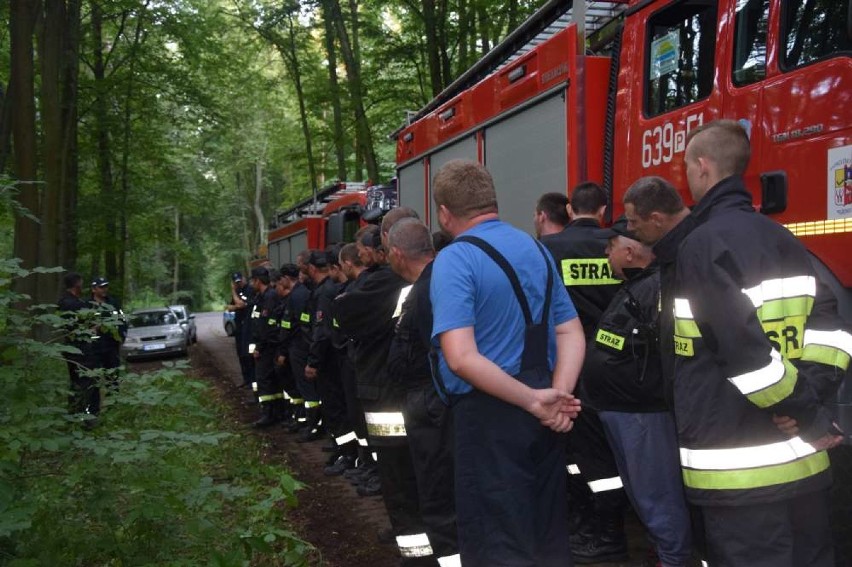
151,140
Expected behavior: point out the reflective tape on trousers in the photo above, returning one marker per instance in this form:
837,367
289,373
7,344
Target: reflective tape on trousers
385,424
362,442
450,561
573,469
416,545
605,484
345,438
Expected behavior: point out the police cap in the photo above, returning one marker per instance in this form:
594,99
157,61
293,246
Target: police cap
619,228
100,281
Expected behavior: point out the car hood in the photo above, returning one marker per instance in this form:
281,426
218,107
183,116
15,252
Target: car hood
158,331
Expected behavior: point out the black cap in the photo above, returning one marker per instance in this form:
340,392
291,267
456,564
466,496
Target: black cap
100,281
318,258
619,228
237,277
290,270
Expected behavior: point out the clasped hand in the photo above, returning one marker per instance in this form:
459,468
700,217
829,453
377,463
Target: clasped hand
555,409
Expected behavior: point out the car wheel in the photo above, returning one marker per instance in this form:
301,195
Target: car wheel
195,338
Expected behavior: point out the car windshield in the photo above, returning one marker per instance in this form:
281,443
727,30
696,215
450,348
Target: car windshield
152,319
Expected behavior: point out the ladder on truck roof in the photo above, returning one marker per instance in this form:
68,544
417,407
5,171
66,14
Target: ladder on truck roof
556,15
314,205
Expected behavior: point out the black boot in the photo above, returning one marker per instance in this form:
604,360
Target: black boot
609,544
267,416
298,419
313,426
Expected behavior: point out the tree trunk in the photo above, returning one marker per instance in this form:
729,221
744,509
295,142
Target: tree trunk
334,91
353,75
176,264
104,155
258,209
22,23
5,126
430,23
484,26
70,167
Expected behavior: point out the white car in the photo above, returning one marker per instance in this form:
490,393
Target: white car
154,332
187,321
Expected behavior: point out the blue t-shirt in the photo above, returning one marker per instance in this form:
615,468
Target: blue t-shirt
470,290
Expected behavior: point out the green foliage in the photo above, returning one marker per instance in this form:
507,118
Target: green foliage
157,482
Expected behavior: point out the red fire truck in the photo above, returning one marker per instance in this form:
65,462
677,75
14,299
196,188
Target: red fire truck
334,215
607,91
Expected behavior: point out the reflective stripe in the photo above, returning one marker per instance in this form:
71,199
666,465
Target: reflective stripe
305,317
768,385
826,355
783,308
840,340
450,561
362,442
269,398
587,271
746,457
743,479
385,424
682,309
605,484
302,419
310,404
416,545
254,386
781,288
334,323
345,438
375,456
297,401
285,324
573,469
287,396
610,339
272,322
403,293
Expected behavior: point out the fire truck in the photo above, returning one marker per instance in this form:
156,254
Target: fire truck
333,215
608,91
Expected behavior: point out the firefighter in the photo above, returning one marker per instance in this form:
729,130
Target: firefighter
580,251
757,341
368,314
428,423
551,214
85,396
291,347
106,348
241,294
288,276
299,313
320,365
263,346
511,349
626,385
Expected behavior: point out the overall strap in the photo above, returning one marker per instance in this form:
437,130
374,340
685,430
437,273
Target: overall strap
504,265
547,296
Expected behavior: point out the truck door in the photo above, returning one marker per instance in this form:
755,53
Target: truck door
678,91
411,185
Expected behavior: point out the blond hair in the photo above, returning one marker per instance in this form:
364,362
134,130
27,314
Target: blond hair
465,188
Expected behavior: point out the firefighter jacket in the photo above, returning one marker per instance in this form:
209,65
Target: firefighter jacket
408,359
264,324
112,328
296,321
240,315
755,335
623,360
580,253
340,340
319,308
368,315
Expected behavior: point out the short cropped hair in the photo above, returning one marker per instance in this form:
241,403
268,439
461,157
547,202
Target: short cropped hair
653,194
725,143
349,253
553,205
71,280
370,236
465,188
412,237
587,198
395,215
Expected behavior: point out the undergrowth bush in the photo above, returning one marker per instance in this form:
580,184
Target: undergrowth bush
157,482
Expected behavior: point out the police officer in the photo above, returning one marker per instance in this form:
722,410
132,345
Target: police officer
106,348
428,421
580,253
241,294
85,396
264,347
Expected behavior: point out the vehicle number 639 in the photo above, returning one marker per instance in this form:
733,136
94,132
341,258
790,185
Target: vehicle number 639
658,145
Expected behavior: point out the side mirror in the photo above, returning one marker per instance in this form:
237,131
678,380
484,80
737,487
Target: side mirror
192,316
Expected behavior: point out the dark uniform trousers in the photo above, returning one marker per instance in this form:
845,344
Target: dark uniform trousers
330,390
510,485
429,426
85,395
354,409
269,387
790,533
589,449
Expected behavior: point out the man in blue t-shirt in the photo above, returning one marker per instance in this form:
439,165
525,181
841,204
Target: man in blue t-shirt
511,348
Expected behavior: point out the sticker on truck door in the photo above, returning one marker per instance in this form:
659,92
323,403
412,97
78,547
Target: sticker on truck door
840,182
